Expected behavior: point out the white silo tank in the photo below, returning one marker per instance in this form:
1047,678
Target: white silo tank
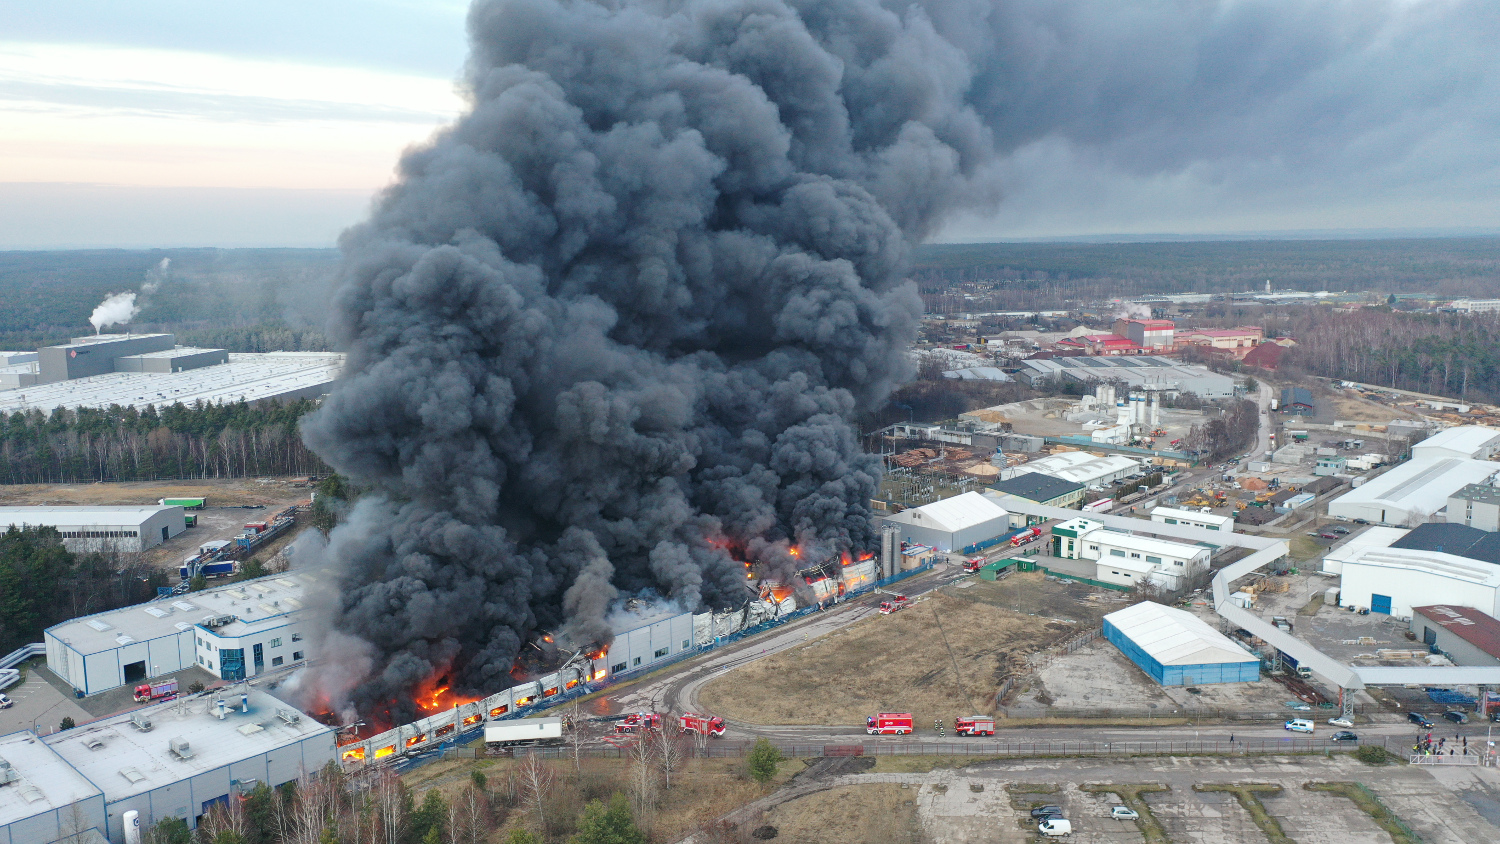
132,822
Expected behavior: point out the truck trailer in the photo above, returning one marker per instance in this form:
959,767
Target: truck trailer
523,731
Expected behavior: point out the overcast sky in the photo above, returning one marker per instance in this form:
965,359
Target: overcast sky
161,123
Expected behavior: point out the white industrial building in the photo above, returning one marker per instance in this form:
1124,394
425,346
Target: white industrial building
1081,467
126,529
1474,441
1393,580
235,632
957,524
1371,537
1409,494
1476,505
1135,371
1207,521
273,376
1177,648
44,799
181,759
1125,559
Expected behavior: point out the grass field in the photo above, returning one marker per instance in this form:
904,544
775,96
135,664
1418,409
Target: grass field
942,658
861,814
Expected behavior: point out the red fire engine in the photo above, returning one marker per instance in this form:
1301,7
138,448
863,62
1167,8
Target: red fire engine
708,725
900,602
637,721
973,564
889,724
974,725
165,690
1025,536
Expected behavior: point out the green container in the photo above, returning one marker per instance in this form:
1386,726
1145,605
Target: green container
1026,565
187,503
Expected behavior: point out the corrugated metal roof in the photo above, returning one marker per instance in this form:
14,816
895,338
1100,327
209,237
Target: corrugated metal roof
1176,637
954,514
1477,628
1468,439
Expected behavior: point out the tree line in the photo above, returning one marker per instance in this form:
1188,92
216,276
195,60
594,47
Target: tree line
42,583
1444,354
534,801
1229,435
178,441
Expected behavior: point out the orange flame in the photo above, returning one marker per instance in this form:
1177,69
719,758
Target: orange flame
795,552
435,696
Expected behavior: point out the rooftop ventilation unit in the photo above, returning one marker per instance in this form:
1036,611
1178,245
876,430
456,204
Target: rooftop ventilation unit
132,775
291,716
140,722
7,773
94,742
217,620
180,748
31,793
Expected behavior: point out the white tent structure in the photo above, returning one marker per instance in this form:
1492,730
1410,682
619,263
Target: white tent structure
953,524
1178,648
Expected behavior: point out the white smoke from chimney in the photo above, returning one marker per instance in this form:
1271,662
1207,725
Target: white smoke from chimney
1133,310
116,309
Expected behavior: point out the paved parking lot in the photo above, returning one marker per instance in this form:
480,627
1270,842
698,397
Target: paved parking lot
973,805
38,702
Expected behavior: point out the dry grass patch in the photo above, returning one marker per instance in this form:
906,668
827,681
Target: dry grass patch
862,814
895,663
220,493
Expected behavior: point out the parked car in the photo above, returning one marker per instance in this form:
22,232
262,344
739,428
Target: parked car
1047,812
1456,716
1326,535
1055,827
5,702
1340,722
1123,813
1344,735
1341,531
1361,521
1419,719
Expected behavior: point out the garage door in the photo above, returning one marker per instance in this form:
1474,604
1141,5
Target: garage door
1380,603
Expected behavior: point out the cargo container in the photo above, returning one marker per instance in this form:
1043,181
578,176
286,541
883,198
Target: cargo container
525,731
184,503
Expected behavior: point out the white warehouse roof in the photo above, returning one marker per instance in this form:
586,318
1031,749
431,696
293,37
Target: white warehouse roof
1465,440
1415,489
1430,562
1080,466
251,377
953,514
46,782
251,601
1144,544
79,516
1193,516
1176,637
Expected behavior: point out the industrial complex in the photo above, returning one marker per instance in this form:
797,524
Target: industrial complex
137,370
118,528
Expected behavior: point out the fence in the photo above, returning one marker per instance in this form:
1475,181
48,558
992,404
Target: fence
1042,658
9,674
1012,749
1206,713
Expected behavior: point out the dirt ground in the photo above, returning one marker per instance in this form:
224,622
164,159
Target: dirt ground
894,663
231,503
1031,593
1351,408
882,813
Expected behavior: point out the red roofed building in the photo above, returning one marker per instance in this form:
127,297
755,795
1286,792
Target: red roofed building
1106,344
1233,341
1154,335
1266,356
1468,636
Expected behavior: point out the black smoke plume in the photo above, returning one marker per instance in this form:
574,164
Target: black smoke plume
607,332
610,328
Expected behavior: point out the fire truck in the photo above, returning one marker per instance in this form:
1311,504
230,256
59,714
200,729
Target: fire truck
973,564
637,721
974,725
708,725
889,724
165,690
1025,536
896,604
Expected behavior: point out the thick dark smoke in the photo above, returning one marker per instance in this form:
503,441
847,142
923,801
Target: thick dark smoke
610,328
608,331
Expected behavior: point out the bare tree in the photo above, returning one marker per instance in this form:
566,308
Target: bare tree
535,779
390,807
228,816
468,817
670,752
643,781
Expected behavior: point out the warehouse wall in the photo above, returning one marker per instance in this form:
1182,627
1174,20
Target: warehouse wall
1181,675
57,824
1407,588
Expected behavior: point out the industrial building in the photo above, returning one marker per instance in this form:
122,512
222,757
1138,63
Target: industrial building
235,632
44,799
95,354
1393,580
1125,559
963,524
1409,494
1207,521
1473,441
181,759
1297,401
1371,537
1176,648
1135,371
274,376
1079,467
1466,635
125,529
1153,334
1236,342
1477,506
1043,489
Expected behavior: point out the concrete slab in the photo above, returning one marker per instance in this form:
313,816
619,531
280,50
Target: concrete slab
39,705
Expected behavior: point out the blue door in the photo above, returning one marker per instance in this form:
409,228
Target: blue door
1380,604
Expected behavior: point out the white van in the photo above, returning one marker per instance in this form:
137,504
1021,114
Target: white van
1055,827
1299,725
